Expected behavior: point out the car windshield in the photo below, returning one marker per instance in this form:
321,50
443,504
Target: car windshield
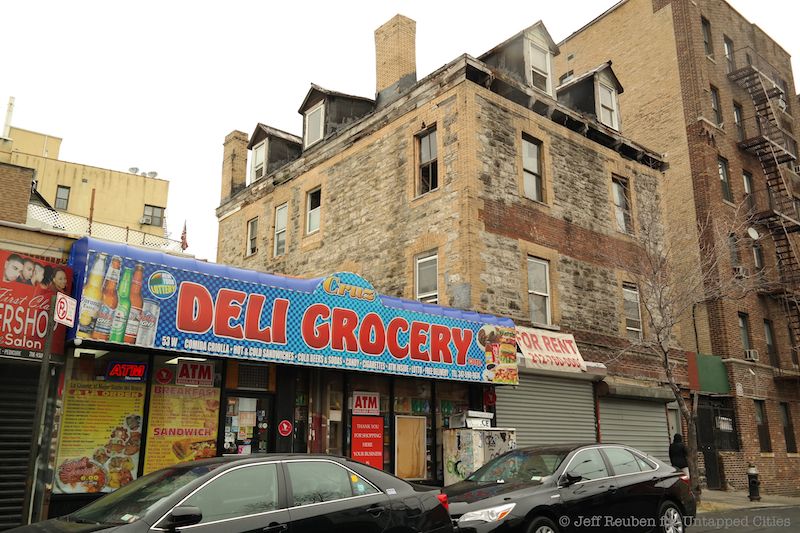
519,466
131,502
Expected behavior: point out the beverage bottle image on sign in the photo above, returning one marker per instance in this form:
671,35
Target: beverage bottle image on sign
123,307
132,327
148,323
92,294
105,316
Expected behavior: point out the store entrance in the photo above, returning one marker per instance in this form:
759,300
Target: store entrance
249,424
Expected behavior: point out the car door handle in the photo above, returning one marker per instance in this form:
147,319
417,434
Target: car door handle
376,510
275,528
612,489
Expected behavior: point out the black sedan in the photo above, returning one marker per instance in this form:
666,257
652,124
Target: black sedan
264,494
593,487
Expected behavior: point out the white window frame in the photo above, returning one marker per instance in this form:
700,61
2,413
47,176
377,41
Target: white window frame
310,211
427,297
613,109
251,246
548,75
254,165
546,295
738,121
632,289
320,107
283,207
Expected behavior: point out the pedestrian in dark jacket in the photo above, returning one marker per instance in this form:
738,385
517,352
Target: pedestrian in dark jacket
677,454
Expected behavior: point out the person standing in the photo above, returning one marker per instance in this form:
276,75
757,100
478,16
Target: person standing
677,454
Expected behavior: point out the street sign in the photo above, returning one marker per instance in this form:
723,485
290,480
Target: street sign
65,310
285,428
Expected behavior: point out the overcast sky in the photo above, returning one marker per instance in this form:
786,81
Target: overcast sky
157,84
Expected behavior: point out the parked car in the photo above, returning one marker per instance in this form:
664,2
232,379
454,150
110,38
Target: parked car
265,494
552,489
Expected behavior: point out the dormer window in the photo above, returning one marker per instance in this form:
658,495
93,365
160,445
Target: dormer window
314,126
257,161
608,106
540,68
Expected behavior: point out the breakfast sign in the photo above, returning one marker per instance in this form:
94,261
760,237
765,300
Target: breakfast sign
339,321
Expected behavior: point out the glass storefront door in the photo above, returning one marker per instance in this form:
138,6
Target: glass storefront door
249,426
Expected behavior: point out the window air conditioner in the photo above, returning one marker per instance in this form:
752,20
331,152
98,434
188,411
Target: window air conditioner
146,220
740,271
751,355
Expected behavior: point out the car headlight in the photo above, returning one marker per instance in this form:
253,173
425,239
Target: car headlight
492,514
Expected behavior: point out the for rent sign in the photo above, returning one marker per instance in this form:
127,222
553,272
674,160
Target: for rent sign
549,350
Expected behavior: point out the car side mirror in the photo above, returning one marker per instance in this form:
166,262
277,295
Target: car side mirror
568,479
182,516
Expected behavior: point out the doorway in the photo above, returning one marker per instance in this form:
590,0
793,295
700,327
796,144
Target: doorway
249,423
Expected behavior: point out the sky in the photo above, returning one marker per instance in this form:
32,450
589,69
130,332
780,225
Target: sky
158,84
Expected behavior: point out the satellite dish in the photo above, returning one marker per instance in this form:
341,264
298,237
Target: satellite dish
152,174
751,231
133,170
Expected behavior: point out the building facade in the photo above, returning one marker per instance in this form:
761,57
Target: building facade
477,187
715,92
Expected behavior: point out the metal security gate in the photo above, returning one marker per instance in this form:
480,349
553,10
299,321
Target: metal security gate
637,423
18,388
546,410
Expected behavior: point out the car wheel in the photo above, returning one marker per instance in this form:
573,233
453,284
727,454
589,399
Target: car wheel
542,524
671,518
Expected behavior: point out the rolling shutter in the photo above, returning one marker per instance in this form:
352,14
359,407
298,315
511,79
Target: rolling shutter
18,388
637,423
546,410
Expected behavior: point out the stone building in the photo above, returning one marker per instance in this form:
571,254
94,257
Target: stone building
473,187
715,92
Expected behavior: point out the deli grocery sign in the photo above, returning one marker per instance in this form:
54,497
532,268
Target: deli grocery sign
340,321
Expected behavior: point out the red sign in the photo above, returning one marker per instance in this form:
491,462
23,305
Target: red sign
164,376
285,428
118,371
367,441
26,285
195,373
366,403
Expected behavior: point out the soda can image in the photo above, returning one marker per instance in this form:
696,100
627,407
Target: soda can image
148,322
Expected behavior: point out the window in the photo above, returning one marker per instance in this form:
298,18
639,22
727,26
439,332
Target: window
426,274
566,77
730,64
772,350
153,215
279,248
744,330
252,236
788,428
540,68
532,168
622,461
539,290
257,158
62,197
238,493
749,198
588,464
622,206
733,249
314,124
633,315
715,106
313,206
428,165
608,106
324,481
722,165
763,427
738,121
758,256
793,343
707,42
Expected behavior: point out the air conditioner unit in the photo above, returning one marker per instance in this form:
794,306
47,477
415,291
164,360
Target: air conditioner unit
146,220
740,271
751,355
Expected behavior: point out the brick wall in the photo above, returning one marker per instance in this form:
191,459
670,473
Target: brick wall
15,182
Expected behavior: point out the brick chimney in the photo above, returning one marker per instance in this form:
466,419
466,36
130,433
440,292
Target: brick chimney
395,58
234,164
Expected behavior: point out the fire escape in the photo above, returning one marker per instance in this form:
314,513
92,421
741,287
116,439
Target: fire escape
774,147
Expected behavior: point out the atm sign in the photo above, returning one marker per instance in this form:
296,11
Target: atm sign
195,373
366,403
130,372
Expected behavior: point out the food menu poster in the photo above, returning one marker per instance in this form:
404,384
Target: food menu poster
182,425
100,436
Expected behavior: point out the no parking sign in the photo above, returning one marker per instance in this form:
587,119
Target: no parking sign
65,310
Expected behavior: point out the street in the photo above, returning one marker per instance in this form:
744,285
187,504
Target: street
766,519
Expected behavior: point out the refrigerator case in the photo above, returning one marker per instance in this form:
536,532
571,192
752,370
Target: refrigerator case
466,450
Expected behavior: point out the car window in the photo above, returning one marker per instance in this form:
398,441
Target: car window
361,486
240,492
518,465
588,464
622,461
319,481
644,464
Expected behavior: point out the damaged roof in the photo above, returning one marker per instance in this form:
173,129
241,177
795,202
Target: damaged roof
596,70
316,89
538,26
262,130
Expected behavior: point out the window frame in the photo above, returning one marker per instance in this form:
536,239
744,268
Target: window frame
546,295
772,347
613,109
625,211
762,426
598,450
758,256
251,244
744,331
431,164
637,461
749,197
318,107
730,62
788,427
716,106
632,288
724,176
738,120
708,42
310,210
284,231
56,204
254,166
536,175
431,255
548,76
290,487
153,218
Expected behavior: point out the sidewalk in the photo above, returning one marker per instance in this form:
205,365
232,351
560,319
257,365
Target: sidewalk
723,500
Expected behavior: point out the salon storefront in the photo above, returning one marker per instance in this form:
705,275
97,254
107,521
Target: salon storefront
174,359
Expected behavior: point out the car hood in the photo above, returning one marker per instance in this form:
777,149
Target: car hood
465,493
62,526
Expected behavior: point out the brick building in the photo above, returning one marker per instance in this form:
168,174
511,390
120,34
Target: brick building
476,188
716,93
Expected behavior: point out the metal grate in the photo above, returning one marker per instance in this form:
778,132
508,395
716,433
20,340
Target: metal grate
253,377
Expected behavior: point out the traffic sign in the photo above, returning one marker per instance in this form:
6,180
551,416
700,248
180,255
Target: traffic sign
65,310
285,428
